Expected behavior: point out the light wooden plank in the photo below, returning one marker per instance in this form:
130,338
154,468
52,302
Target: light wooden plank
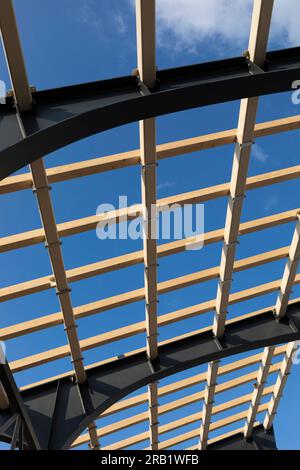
259,390
163,250
289,274
85,272
216,425
23,99
146,51
126,159
163,320
261,19
222,436
74,227
207,411
123,444
14,56
280,384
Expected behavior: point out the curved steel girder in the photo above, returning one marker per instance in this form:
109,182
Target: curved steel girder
260,440
65,115
61,410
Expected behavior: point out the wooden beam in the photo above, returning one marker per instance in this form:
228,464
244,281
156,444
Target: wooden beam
23,99
196,417
74,227
222,436
289,274
170,388
18,76
65,229
207,411
216,425
163,250
279,386
146,49
14,56
287,283
261,19
85,272
53,243
145,19
185,421
259,389
126,159
163,320
196,380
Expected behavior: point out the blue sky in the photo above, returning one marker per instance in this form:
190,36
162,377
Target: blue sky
73,41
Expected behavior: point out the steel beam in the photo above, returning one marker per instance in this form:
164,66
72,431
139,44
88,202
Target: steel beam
65,115
260,440
18,415
62,409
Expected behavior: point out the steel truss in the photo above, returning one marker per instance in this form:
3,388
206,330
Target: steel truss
53,414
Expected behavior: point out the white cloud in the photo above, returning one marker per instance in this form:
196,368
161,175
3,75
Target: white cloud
88,17
165,184
285,25
195,20
259,154
120,23
272,201
185,24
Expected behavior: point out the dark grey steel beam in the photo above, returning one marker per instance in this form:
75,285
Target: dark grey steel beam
65,115
60,410
260,440
18,410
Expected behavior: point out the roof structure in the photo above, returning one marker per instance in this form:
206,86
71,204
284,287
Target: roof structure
72,406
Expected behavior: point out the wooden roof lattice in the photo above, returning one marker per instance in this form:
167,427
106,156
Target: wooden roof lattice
276,358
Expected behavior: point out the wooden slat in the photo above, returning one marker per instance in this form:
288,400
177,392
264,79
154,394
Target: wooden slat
259,390
280,309
163,250
261,19
59,273
289,274
146,51
163,320
46,282
131,158
216,425
222,436
195,380
64,229
23,99
167,389
257,48
74,227
14,56
207,411
123,444
208,306
137,328
279,386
